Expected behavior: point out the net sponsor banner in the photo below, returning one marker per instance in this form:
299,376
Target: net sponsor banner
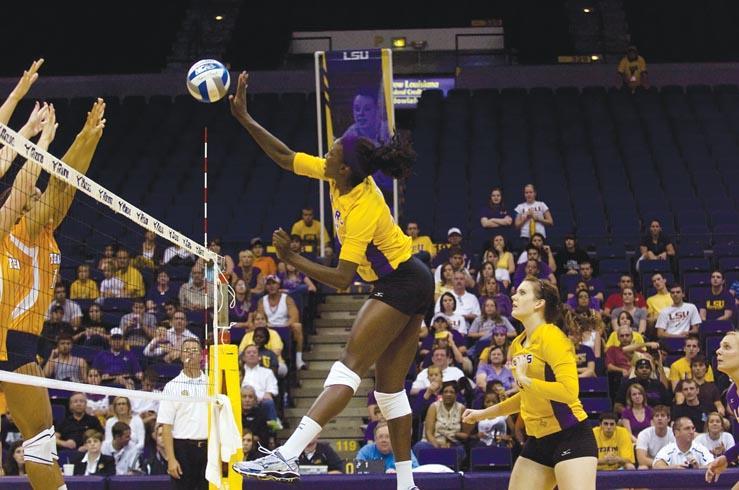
407,90
60,170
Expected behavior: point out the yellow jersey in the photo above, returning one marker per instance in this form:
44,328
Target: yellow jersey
619,444
423,244
87,289
30,268
310,233
363,224
550,404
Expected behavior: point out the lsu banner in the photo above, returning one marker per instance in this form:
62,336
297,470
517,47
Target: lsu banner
356,97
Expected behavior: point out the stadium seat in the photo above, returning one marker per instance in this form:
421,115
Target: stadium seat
597,405
652,266
58,413
167,371
594,386
446,456
117,305
672,345
490,458
716,327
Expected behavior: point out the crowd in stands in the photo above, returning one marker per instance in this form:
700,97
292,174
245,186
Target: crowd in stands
643,337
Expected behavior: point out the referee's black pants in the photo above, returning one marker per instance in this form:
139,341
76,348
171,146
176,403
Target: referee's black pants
193,457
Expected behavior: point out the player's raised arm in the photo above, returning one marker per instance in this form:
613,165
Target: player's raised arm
28,78
29,130
270,144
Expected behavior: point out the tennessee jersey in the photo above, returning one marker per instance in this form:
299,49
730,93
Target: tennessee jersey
363,224
30,266
550,404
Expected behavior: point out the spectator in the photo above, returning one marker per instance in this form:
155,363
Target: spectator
122,413
487,269
95,332
52,329
262,380
424,398
446,282
125,454
626,320
584,354
320,454
251,275
133,282
708,393
570,257
502,301
244,305
196,295
70,433
494,217
660,300
495,369
308,229
15,464
177,256
680,319
595,286
496,431
637,415
9,432
97,405
178,333
448,307
583,299
443,424
655,245
162,291
253,416
108,255
652,439
685,452
467,304
483,326
226,265
439,358
72,311
457,261
629,306
454,244
532,216
657,392
111,286
144,408
280,310
62,365
138,326
421,243
295,282
116,365
715,439
160,348
151,254
93,462
84,287
615,451
682,368
156,463
273,340
381,449
505,266
590,325
261,337
247,445
265,263
615,300
690,406
441,330
632,70
545,252
533,267
620,355
718,303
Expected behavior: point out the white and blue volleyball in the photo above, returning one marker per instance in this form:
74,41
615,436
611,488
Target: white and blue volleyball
208,80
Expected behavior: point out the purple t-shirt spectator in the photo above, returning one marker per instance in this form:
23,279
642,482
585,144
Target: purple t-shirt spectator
116,364
520,273
505,376
594,303
594,284
637,426
656,248
240,311
159,298
584,354
715,304
291,284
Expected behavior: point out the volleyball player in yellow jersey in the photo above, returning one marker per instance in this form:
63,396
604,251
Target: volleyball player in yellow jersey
30,271
561,449
385,332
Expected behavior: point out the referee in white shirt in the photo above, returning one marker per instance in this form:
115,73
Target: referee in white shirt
185,424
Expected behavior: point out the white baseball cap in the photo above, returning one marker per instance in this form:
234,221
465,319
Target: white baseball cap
116,331
453,231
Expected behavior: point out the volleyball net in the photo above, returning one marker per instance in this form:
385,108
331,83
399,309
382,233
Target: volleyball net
105,296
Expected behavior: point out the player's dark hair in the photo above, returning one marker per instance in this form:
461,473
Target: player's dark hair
394,158
553,309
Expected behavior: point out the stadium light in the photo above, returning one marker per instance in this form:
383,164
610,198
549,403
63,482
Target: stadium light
398,42
219,17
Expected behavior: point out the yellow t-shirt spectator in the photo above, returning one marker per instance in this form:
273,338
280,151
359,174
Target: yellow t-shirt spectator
613,341
680,370
618,445
424,244
657,303
632,70
133,283
310,233
275,343
84,289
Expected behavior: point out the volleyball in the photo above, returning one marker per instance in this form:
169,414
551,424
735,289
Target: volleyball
208,80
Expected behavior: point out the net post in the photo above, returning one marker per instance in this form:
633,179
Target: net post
319,125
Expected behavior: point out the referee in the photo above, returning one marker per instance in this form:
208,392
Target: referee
185,424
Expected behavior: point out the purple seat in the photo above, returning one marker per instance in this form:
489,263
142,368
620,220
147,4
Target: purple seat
716,327
596,405
117,305
58,413
491,457
672,345
165,370
652,266
594,386
728,263
446,456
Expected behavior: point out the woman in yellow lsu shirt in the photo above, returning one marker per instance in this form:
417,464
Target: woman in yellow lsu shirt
385,332
561,449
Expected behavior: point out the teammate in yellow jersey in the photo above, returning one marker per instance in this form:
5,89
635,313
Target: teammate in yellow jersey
385,332
561,449
31,261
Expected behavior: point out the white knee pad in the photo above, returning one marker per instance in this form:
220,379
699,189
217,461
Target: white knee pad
342,375
393,405
41,448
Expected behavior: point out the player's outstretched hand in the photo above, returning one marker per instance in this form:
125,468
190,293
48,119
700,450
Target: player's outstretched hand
281,242
34,125
715,468
48,126
28,78
471,416
238,101
95,119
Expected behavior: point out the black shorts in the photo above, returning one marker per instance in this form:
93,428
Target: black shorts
577,441
409,288
22,348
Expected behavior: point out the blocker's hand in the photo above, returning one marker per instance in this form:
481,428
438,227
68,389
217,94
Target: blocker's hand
28,78
238,101
281,242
